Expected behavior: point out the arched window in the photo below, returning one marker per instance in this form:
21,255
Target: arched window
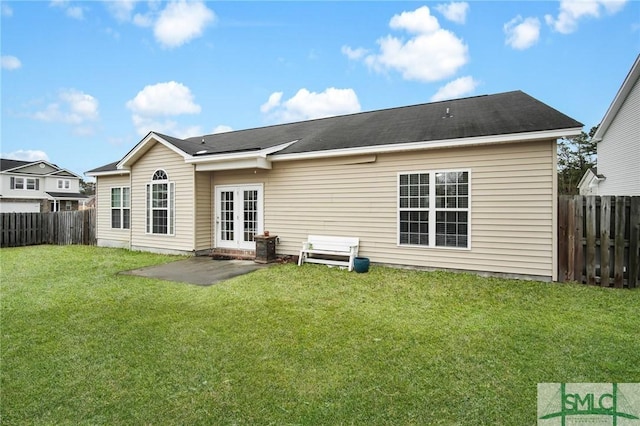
160,175
160,204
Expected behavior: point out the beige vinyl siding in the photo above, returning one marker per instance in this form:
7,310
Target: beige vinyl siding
203,212
512,205
160,157
107,236
619,150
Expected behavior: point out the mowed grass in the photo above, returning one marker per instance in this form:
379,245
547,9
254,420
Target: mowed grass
288,345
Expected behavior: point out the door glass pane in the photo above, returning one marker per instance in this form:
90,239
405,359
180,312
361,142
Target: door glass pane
250,223
226,215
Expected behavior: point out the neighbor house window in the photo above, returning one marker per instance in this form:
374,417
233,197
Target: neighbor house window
25,183
433,209
160,204
120,208
33,183
63,184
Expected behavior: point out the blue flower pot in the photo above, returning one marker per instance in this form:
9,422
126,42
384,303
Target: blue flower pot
361,264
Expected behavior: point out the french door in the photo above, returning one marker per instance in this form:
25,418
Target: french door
238,215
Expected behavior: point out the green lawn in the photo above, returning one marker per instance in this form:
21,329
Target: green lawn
289,345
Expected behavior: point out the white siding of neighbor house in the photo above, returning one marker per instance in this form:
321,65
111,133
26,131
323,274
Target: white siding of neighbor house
619,149
160,157
513,202
105,235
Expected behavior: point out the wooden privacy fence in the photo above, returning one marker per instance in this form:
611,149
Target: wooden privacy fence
599,240
69,227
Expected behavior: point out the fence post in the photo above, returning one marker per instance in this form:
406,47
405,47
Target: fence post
591,240
605,223
634,243
618,255
563,234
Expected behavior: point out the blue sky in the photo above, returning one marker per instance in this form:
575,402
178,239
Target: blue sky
83,82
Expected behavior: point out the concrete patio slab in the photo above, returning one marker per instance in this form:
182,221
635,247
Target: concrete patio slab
199,270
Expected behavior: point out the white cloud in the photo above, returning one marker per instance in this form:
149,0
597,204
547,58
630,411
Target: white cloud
168,98
420,21
143,21
121,9
455,89
522,33
10,62
306,105
272,102
75,12
181,22
354,54
454,11
153,105
26,155
71,107
222,128
167,126
572,11
432,54
6,9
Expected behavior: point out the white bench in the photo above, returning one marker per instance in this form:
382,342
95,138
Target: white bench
331,247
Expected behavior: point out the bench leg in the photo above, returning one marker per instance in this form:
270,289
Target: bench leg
300,258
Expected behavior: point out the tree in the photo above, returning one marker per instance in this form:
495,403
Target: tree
87,188
575,156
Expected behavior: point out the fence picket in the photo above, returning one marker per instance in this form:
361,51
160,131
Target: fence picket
601,238
634,243
605,224
618,253
73,227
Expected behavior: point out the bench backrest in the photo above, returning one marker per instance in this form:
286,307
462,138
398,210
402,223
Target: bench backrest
325,242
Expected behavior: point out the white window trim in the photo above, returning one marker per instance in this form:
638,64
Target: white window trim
23,183
432,210
171,208
64,184
121,208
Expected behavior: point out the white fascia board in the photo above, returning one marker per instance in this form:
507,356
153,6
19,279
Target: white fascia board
108,173
59,171
141,148
249,163
621,96
444,143
260,158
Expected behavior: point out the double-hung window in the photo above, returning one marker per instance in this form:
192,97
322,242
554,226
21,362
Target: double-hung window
63,184
33,184
25,183
121,208
160,204
434,209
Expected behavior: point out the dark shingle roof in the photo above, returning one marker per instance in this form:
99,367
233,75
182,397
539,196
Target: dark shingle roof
106,168
488,115
67,195
504,113
6,164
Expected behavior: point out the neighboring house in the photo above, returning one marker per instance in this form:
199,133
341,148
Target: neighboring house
467,184
588,185
618,143
37,186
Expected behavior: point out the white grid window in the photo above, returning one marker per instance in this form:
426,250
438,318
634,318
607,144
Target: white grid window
434,209
160,204
120,208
